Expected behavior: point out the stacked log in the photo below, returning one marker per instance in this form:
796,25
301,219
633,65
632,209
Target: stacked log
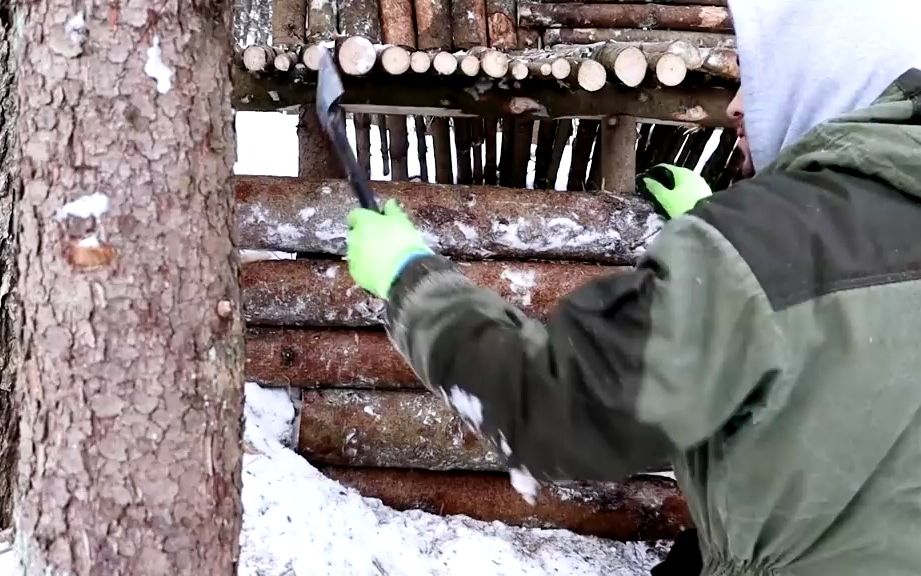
366,421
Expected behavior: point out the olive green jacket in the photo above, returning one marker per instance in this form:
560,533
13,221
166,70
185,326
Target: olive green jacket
767,342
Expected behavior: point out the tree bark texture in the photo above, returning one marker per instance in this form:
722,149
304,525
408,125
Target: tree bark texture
502,31
468,23
10,192
397,25
316,157
252,23
320,293
360,18
656,16
321,19
640,508
131,383
289,22
433,23
296,215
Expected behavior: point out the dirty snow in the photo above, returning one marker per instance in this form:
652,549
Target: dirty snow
297,521
520,282
156,69
468,231
468,406
76,29
87,206
306,214
524,484
91,241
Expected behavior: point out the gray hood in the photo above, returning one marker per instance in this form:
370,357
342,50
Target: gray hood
807,61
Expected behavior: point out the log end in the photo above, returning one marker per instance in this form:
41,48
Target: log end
444,63
671,70
470,65
357,56
630,66
420,62
560,68
518,70
494,63
591,76
312,55
258,58
395,60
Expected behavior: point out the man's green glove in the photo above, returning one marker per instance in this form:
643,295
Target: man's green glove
673,190
379,246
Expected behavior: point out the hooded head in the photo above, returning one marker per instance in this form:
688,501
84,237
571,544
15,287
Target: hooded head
807,61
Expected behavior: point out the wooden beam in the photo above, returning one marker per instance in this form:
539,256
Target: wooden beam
643,508
455,95
318,293
325,358
655,16
554,36
294,215
618,149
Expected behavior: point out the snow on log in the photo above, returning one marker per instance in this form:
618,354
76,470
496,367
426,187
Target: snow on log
360,18
468,23
289,21
320,358
642,508
554,36
321,293
501,29
433,23
722,62
626,61
397,23
389,429
296,215
321,20
577,15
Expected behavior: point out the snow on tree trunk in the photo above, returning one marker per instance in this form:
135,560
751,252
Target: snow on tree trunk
9,309
132,340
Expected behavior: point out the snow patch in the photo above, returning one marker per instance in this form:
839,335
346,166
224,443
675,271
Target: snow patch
285,233
91,241
370,411
328,230
156,69
76,29
331,272
260,255
541,234
297,521
524,484
503,445
88,206
306,214
468,406
521,282
468,231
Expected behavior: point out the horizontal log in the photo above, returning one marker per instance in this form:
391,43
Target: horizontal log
320,293
554,36
459,95
390,430
314,358
643,508
295,215
664,2
655,16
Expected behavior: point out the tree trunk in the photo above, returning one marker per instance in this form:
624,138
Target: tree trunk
433,23
553,36
468,23
10,193
397,23
316,157
441,143
360,18
399,146
501,25
581,153
422,147
289,22
131,383
462,145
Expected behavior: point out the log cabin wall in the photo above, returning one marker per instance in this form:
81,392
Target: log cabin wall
492,95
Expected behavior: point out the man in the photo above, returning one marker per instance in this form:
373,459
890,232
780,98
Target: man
767,341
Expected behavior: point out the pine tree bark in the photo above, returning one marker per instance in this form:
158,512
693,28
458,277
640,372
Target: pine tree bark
10,192
131,378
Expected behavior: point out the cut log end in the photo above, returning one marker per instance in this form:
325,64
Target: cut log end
445,63
395,60
258,58
671,70
518,70
591,76
285,61
494,63
420,62
357,56
560,68
630,66
313,54
469,64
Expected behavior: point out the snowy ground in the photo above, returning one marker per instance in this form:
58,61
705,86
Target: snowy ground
298,522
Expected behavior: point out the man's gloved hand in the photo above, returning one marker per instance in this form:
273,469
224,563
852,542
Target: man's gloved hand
673,190
380,245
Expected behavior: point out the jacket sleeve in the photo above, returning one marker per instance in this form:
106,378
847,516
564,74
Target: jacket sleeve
628,370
